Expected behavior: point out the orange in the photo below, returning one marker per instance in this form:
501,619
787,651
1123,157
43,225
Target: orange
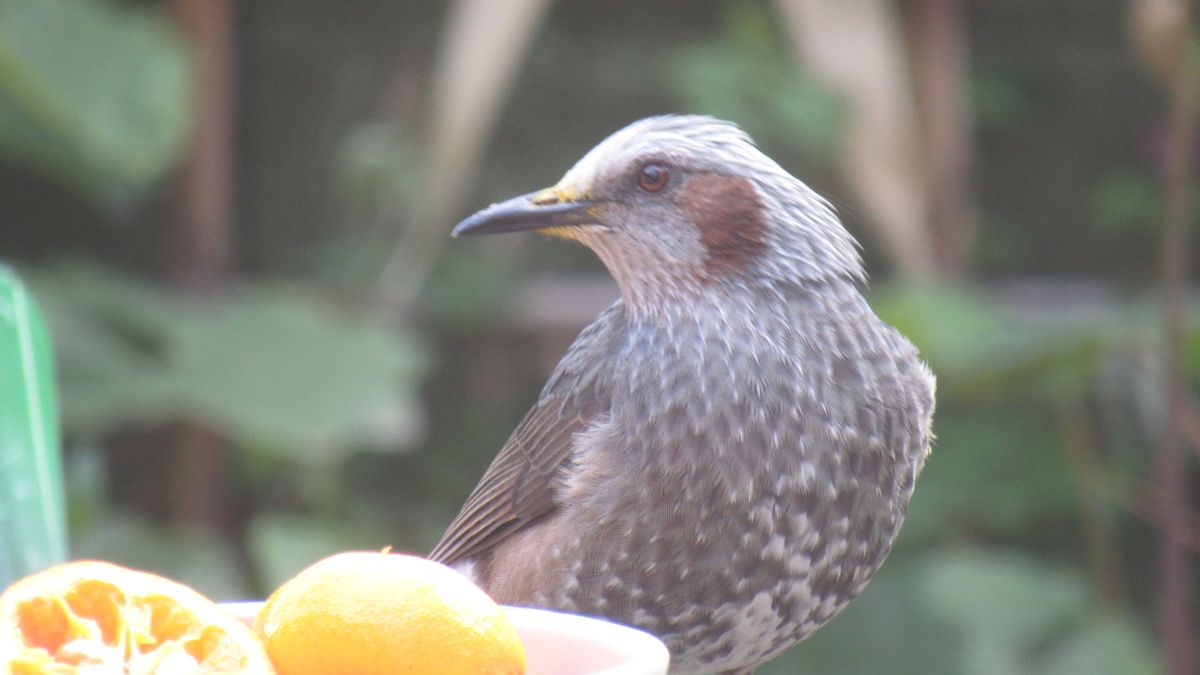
366,613
94,617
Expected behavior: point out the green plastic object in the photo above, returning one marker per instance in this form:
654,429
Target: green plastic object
32,510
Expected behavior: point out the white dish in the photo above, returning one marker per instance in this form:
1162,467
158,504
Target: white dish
562,644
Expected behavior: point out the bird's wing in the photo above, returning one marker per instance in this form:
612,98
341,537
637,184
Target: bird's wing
521,484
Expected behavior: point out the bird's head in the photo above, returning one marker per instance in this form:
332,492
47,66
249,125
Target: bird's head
678,204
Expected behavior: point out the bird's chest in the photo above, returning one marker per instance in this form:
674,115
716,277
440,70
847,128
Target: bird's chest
701,401
700,427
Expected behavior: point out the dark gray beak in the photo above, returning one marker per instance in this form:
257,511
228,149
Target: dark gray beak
534,211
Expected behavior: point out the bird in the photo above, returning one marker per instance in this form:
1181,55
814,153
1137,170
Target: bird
723,458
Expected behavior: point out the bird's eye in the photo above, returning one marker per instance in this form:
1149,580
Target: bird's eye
653,177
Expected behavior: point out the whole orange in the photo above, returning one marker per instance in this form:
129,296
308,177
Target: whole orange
96,617
367,613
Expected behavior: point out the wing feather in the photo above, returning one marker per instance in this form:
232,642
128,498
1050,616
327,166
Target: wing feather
521,484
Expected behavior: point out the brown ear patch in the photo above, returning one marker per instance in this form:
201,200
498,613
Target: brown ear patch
730,217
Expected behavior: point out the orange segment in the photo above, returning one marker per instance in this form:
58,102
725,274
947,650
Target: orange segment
90,617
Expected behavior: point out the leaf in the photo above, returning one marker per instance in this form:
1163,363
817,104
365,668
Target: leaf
979,346
997,470
93,93
1107,645
272,365
472,287
111,336
1126,201
197,557
1004,604
1001,100
281,545
310,379
748,77
378,168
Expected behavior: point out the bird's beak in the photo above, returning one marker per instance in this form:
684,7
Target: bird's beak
547,211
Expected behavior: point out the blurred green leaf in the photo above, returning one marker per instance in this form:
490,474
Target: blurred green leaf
1020,614
273,366
93,93
472,286
197,557
1005,605
1106,645
86,471
996,470
111,336
977,345
1000,100
1126,200
747,76
377,168
282,544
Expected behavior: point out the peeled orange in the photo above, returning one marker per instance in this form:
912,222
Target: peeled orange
366,613
95,617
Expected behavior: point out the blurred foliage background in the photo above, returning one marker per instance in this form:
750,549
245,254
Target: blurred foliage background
235,217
